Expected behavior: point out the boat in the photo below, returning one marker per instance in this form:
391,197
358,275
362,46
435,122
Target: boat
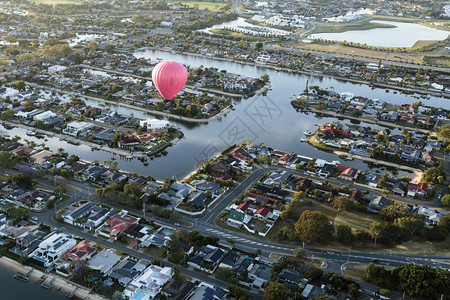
30,132
307,133
95,149
303,140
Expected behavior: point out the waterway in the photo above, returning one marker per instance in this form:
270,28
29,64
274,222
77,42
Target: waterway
269,119
13,289
403,35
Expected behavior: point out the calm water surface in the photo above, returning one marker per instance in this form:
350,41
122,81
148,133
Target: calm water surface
403,35
269,119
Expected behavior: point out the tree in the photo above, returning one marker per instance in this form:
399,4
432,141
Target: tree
227,274
300,253
446,200
258,46
394,211
276,291
434,175
22,179
341,203
60,190
444,133
10,39
314,274
411,223
356,113
41,173
50,203
344,234
237,293
313,226
133,190
6,160
265,77
7,115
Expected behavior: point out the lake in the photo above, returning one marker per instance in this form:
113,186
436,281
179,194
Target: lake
403,35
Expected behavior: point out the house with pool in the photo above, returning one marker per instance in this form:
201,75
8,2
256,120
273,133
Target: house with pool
147,285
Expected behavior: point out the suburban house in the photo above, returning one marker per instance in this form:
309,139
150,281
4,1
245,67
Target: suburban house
177,290
148,284
53,247
206,291
74,128
104,261
417,189
119,223
207,258
71,217
348,173
377,204
81,251
150,124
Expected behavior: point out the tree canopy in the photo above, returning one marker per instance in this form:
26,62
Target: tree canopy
313,226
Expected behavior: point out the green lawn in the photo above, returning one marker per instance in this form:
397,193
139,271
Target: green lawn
204,5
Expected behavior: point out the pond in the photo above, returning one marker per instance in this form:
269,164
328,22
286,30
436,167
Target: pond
403,35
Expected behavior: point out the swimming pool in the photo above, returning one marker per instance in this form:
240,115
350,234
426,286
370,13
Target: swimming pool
139,296
167,231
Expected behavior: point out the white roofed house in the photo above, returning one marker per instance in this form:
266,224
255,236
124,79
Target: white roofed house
147,285
74,128
154,124
53,247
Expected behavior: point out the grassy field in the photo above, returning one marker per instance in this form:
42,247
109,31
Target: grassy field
356,270
443,60
338,48
57,1
204,5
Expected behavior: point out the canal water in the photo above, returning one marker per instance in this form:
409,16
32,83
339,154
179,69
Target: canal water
269,119
13,289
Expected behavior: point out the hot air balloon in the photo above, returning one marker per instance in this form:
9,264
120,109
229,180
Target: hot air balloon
169,77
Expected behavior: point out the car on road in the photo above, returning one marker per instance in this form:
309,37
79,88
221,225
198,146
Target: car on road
177,224
34,218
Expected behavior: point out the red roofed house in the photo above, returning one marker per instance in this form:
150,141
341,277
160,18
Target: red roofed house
147,137
349,174
240,154
119,223
25,150
417,189
265,200
81,251
262,212
285,159
279,153
128,141
242,207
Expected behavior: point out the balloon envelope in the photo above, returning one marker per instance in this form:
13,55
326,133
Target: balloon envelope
169,77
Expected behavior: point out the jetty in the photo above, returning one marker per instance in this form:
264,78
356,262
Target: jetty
23,278
70,295
48,285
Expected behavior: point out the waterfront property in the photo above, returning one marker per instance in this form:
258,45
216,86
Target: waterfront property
53,247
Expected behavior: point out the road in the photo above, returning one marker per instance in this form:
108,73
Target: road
207,226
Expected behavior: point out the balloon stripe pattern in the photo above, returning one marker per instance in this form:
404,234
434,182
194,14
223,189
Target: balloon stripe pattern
169,77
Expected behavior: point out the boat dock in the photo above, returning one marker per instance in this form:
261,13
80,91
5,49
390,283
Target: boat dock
25,277
49,284
70,295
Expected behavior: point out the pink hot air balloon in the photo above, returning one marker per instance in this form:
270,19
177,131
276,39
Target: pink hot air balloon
169,77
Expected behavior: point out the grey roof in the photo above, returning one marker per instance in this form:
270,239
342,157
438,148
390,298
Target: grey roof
104,261
81,210
206,185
